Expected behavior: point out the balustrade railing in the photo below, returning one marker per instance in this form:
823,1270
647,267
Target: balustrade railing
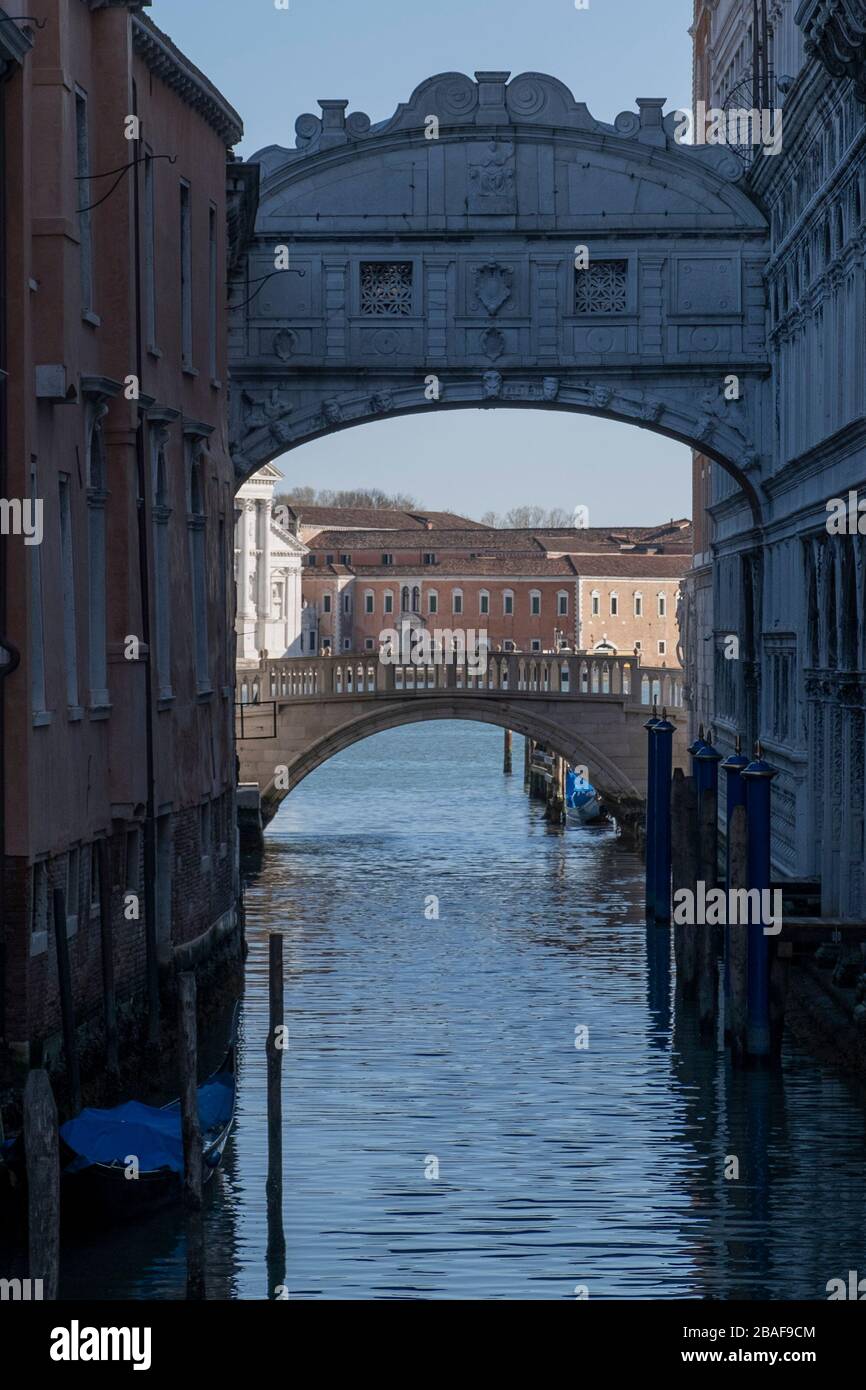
506,673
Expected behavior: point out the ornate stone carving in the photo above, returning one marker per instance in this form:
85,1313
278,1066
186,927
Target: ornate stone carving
332,412
602,396
652,409
381,401
550,388
260,408
285,344
602,288
493,343
282,432
492,384
493,286
491,180
386,288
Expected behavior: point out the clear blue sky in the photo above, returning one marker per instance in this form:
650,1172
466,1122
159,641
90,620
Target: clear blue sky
273,65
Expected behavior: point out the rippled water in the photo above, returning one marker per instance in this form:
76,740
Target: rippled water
414,1040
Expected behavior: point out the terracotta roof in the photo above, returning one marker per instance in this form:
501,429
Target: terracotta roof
633,566
497,541
497,566
378,519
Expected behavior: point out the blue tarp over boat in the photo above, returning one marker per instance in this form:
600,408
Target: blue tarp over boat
153,1135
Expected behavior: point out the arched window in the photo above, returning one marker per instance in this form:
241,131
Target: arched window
562,603
456,600
369,601
404,598
389,601
484,603
614,604
432,601
638,605
416,600
595,603
508,603
535,602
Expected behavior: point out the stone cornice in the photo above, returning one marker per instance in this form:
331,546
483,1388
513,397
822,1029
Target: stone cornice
835,33
177,72
15,44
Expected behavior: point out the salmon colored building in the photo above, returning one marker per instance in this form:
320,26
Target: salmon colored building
118,721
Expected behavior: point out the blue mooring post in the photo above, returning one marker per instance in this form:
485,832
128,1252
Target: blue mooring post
662,736
693,750
650,847
758,777
735,795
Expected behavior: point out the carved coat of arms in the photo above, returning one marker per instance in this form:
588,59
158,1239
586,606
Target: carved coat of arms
493,286
491,180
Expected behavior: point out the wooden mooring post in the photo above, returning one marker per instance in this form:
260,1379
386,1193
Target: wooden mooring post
506,753
42,1157
737,936
67,1006
684,861
706,963
187,1042
276,1252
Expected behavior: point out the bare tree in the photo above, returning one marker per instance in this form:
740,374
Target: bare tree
372,498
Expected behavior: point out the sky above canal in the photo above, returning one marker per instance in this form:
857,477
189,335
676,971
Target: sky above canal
273,65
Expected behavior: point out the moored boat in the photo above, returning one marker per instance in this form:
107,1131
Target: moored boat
582,803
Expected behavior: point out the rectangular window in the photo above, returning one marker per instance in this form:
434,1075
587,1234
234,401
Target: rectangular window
84,196
329,559
368,644
149,252
535,605
326,603
457,603
508,605
185,276
37,618
389,603
614,605
596,605
67,570
387,559
386,288
347,644
638,605
345,559
311,561
663,646
638,646
562,606
213,291
369,602
601,288
429,557
484,604
663,605
536,644
347,603
433,603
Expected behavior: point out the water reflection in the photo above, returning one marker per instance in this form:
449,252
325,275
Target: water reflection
454,1039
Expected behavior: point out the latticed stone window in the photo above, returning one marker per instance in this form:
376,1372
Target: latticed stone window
386,288
601,288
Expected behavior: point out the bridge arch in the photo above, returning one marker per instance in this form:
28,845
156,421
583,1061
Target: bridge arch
435,261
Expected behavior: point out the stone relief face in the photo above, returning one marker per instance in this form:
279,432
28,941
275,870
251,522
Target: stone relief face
332,412
492,382
550,388
381,402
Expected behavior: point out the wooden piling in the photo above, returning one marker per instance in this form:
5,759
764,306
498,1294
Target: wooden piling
109,1002
684,862
42,1157
187,1043
527,761
506,753
737,936
706,967
67,1006
276,1251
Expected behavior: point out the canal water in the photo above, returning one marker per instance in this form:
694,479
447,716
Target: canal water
499,1101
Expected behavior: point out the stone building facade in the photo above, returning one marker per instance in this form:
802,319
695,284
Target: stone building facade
267,570
118,722
795,596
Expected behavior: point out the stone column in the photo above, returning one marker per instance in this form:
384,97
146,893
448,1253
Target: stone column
265,578
244,572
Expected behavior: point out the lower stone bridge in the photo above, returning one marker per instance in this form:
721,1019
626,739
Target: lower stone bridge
294,714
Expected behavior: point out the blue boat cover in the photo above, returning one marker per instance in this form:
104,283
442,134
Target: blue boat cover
577,791
152,1135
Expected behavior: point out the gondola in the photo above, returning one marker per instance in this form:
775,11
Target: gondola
123,1162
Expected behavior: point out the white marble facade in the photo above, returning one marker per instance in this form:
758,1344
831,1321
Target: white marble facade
268,561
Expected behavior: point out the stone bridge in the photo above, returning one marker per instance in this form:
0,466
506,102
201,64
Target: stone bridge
296,713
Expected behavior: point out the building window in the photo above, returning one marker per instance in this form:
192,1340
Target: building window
368,644
429,557
96,499
84,194
149,252
535,603
404,598
663,646
37,617
311,561
369,601
389,601
536,644
347,603
416,599
347,644
387,559
432,601
67,570
601,288
638,646
326,644
329,559
562,604
614,605
484,603
456,600
196,524
595,603
326,603
663,605
185,276
345,559
213,281
386,288
508,645
638,605
508,603
160,514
